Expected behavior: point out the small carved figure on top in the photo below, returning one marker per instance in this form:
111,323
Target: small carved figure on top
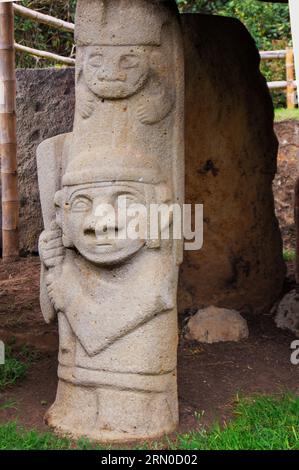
122,65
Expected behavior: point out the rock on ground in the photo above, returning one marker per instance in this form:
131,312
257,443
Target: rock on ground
213,324
287,314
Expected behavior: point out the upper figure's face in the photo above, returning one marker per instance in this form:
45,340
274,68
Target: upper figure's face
94,225
115,72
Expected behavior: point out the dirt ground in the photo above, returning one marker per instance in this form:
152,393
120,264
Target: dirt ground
210,376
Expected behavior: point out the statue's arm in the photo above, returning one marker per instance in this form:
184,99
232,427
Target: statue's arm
49,168
90,319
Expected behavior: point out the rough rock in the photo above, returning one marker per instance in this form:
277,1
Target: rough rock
45,104
287,313
231,152
213,325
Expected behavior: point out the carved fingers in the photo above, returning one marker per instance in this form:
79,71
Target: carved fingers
87,108
85,101
155,108
55,289
51,249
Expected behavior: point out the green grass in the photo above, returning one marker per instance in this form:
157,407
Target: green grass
15,437
282,114
260,423
11,371
16,365
289,255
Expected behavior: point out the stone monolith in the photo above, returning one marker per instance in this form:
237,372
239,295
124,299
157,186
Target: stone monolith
115,297
231,153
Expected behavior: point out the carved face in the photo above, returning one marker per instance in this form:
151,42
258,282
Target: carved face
115,72
100,236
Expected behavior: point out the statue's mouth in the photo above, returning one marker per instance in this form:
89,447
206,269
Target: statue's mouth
103,246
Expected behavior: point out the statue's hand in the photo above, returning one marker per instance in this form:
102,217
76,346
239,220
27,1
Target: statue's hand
51,249
55,287
156,106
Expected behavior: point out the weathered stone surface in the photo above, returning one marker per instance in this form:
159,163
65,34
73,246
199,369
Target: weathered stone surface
231,159
115,295
213,324
230,164
45,104
287,314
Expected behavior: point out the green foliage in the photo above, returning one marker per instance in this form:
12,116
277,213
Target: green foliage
260,423
282,114
288,255
40,36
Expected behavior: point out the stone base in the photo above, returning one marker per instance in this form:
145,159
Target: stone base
107,415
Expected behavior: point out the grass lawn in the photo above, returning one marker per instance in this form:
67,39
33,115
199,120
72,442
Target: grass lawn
282,114
260,423
16,365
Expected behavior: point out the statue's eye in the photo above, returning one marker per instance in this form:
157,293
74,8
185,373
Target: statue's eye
81,204
128,199
129,61
95,60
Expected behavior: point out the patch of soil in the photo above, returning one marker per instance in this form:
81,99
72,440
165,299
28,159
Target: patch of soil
284,183
21,320
210,376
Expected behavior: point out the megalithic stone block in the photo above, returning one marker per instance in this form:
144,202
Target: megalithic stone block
116,299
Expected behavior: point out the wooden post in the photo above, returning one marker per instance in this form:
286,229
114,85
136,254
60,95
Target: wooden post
8,141
290,72
294,17
297,230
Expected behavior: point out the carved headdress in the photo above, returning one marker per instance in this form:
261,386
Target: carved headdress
120,23
111,165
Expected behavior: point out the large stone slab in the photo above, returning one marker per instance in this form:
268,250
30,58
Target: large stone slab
231,152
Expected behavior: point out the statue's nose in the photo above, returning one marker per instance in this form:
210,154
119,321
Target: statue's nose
110,73
90,226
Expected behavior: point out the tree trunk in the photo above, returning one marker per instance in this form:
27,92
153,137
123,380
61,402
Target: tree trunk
8,146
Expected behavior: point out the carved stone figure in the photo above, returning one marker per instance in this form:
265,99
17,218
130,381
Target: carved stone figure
115,297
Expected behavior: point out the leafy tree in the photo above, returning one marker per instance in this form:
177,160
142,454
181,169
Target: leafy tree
41,36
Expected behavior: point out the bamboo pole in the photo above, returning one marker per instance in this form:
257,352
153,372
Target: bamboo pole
290,75
45,54
297,229
8,140
280,84
42,18
279,54
294,17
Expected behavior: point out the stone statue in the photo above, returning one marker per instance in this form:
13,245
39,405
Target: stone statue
115,297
